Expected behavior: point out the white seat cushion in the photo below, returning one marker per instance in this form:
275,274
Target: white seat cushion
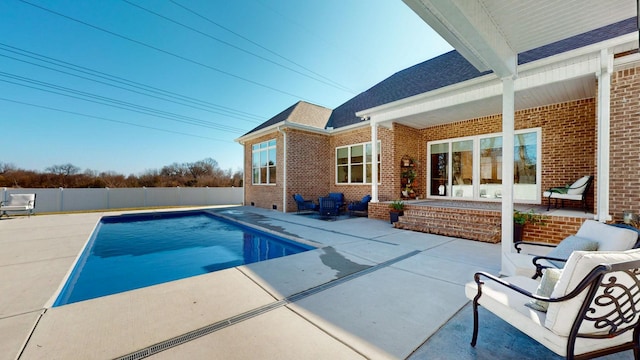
554,195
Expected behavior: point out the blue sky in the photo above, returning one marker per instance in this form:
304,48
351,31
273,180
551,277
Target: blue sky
133,85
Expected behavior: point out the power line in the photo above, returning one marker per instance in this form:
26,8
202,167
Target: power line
109,120
166,52
123,88
120,80
118,103
332,84
262,47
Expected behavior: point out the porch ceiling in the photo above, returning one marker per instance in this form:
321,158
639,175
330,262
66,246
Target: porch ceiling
559,92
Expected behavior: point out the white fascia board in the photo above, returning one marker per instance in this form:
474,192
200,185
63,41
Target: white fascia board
443,101
281,125
466,25
631,40
363,123
459,87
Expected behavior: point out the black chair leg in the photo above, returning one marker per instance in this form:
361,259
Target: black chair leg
474,337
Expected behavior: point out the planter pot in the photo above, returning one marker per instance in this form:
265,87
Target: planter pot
394,215
517,232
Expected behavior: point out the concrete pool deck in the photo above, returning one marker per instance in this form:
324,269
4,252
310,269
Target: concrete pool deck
368,291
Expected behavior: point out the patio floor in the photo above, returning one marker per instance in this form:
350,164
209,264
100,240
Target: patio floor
368,291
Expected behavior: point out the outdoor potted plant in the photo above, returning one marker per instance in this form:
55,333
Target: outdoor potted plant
396,209
520,219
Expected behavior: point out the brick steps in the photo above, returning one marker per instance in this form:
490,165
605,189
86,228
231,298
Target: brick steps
480,225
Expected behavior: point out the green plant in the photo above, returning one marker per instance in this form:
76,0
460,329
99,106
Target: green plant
397,205
409,174
529,217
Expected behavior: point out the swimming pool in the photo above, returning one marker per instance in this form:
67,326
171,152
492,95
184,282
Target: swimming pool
128,252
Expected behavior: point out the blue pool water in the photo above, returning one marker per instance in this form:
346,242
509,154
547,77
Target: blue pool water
132,251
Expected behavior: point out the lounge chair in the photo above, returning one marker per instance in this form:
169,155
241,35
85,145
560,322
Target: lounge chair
576,192
18,202
304,206
587,310
359,206
531,257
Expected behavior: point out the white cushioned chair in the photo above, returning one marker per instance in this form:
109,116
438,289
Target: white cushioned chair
605,237
18,202
593,309
576,191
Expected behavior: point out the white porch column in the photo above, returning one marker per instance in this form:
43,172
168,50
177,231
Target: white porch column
374,162
604,142
508,125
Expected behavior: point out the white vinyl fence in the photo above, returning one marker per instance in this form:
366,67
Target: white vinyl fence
61,199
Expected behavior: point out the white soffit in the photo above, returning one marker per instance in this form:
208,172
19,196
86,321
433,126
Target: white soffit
485,32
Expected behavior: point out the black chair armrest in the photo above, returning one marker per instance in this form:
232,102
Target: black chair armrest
540,267
517,244
586,281
504,283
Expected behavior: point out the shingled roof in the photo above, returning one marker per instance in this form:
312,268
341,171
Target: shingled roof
444,70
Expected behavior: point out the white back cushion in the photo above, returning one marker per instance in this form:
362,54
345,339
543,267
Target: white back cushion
560,316
21,199
609,238
577,188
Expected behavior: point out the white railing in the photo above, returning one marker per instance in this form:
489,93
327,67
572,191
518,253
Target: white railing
62,199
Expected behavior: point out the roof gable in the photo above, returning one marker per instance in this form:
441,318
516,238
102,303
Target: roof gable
302,113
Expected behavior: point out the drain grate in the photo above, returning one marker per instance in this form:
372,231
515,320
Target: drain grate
206,330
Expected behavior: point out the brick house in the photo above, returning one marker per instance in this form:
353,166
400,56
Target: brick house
575,105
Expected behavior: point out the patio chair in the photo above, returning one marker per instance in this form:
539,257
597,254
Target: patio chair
531,257
359,206
19,202
592,310
339,199
577,192
328,208
304,206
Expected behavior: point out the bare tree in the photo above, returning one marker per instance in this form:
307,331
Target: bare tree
63,172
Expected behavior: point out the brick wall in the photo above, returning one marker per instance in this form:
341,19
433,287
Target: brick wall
624,179
555,229
407,141
309,160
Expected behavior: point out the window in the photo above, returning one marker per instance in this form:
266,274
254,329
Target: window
263,163
471,168
354,164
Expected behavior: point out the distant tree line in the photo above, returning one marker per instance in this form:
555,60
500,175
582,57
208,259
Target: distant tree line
201,173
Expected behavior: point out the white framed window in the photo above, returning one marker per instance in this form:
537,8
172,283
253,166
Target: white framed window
354,164
470,168
263,163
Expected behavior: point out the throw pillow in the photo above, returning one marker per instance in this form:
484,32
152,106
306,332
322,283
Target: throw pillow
569,245
547,284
